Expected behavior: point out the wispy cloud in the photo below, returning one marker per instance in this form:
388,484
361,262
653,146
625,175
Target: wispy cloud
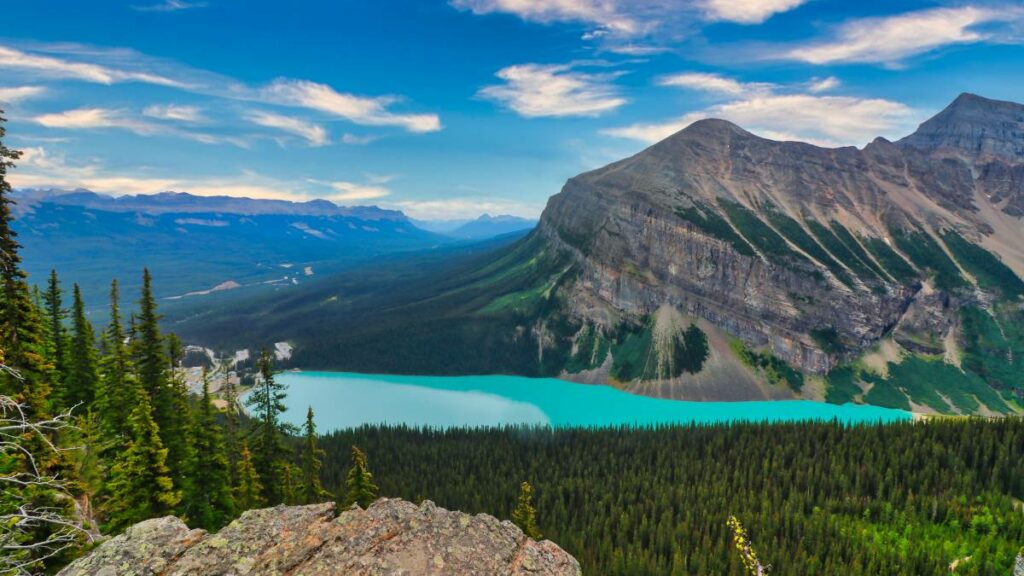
121,119
39,167
176,112
91,118
714,84
358,140
891,39
463,208
817,85
808,117
618,24
169,6
606,14
748,11
352,192
18,93
52,67
101,66
536,90
356,109
314,134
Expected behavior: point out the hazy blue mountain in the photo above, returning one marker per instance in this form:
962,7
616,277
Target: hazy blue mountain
194,245
487,226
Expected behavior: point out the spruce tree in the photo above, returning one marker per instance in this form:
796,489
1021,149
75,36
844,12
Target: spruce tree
524,514
53,303
268,440
170,407
232,430
21,329
140,485
179,432
81,380
27,381
312,460
249,492
359,486
118,386
213,503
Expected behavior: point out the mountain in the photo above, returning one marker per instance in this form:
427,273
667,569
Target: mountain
185,203
195,245
390,537
487,226
720,265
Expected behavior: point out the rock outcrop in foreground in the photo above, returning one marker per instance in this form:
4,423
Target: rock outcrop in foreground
390,537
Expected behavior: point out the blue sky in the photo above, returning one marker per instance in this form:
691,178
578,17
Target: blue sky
446,109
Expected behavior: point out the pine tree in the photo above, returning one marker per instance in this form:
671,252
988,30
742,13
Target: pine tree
180,433
118,386
21,329
359,486
249,492
55,314
169,402
524,514
268,440
213,503
312,460
27,381
140,485
81,381
232,430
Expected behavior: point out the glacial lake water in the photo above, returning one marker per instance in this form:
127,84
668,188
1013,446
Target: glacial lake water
343,400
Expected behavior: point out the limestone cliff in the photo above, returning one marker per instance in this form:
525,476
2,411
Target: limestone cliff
390,537
812,255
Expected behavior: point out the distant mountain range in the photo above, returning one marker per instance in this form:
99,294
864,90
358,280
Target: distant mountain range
199,245
194,244
486,226
720,265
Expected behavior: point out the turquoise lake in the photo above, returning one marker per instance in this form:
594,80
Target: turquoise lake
342,400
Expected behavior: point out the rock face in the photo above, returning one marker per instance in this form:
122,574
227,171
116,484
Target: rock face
777,243
391,537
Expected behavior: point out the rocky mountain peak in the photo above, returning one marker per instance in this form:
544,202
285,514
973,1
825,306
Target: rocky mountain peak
390,537
975,127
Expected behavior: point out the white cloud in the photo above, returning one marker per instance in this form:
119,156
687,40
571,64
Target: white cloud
52,67
40,169
535,90
356,109
817,85
176,112
170,6
103,66
891,39
357,140
463,208
351,191
100,118
314,134
19,93
713,83
90,118
808,117
748,11
606,14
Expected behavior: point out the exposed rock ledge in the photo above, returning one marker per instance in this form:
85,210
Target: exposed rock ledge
391,537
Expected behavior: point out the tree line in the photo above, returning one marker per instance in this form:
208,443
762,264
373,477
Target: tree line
814,497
